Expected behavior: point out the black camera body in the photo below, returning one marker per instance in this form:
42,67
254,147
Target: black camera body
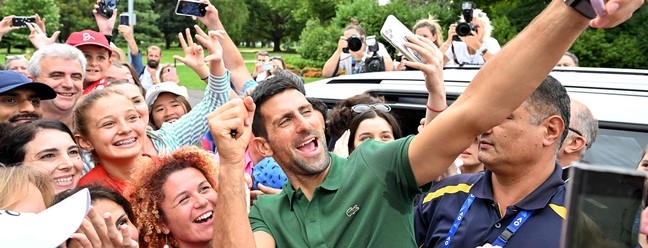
354,43
21,21
375,62
465,28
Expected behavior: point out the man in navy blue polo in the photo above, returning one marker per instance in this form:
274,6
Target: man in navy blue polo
20,98
518,200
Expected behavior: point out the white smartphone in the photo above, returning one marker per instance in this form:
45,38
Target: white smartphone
395,32
191,8
599,7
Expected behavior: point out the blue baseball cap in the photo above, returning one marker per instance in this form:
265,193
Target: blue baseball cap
10,80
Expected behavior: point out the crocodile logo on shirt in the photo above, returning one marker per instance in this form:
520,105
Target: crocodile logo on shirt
352,210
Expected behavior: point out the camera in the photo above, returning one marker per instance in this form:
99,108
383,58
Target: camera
20,21
354,43
375,62
465,28
106,7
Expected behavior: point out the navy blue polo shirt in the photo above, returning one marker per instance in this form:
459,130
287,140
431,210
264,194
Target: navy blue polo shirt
434,213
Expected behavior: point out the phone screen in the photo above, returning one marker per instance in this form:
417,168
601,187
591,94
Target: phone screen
123,19
191,8
19,21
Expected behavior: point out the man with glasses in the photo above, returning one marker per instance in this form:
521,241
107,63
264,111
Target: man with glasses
20,98
583,129
62,67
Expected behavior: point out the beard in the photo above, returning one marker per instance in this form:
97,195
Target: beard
153,63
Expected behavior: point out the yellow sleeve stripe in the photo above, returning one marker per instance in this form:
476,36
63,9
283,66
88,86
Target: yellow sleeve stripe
560,210
447,190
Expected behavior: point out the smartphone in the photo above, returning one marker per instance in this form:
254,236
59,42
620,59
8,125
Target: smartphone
191,8
599,7
171,71
123,19
106,7
19,21
602,204
395,32
267,66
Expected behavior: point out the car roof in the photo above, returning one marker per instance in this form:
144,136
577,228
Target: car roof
613,95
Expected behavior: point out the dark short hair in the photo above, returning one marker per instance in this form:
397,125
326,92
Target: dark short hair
372,113
319,106
14,139
550,98
265,91
97,193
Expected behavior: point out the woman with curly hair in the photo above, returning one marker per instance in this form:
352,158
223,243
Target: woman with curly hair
173,199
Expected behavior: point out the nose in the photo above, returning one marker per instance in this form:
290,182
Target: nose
66,163
201,201
27,106
302,124
124,128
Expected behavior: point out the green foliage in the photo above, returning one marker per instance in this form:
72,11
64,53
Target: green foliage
77,16
595,49
273,20
45,8
313,46
169,23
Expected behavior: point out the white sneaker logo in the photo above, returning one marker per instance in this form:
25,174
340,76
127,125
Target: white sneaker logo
352,210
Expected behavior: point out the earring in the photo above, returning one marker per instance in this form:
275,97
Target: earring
166,241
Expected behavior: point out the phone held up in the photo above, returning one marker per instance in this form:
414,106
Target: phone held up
191,8
107,7
123,19
20,21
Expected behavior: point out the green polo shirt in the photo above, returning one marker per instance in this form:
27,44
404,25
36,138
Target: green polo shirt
365,201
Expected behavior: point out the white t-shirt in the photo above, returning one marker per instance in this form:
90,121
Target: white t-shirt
146,80
465,58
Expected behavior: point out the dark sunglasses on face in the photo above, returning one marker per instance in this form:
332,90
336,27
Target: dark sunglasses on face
361,108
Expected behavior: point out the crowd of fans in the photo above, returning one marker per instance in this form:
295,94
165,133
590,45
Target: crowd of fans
256,163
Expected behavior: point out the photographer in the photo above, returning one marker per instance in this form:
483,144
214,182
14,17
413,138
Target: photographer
352,53
475,46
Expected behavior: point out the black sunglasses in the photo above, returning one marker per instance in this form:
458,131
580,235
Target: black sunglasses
361,108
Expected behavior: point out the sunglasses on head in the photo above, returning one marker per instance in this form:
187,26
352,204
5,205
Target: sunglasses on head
361,108
12,57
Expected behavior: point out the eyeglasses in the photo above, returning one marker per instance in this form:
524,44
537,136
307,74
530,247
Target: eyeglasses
361,108
575,131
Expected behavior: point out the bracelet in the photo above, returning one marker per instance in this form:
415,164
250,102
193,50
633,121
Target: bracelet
205,78
435,110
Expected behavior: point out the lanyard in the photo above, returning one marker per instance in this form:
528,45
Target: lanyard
510,230
357,66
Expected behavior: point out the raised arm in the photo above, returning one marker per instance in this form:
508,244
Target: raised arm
126,31
194,56
231,55
504,83
334,60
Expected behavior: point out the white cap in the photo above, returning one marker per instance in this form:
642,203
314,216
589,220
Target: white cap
171,87
49,228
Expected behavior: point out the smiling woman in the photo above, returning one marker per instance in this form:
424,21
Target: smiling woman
173,199
48,144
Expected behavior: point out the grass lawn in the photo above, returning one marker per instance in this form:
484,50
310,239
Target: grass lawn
189,78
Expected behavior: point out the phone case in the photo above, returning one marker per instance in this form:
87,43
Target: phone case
198,11
395,32
599,7
19,21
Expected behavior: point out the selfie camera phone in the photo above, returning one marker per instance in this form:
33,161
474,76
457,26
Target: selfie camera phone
191,8
20,21
171,71
267,66
395,32
106,7
602,204
123,19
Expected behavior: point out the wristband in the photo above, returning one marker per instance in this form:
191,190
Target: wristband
435,110
584,7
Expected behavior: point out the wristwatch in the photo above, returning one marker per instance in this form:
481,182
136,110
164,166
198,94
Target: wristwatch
584,7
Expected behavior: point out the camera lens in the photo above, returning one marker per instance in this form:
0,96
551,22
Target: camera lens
373,66
355,43
463,29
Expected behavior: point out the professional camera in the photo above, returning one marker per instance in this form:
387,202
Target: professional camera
354,43
465,28
375,62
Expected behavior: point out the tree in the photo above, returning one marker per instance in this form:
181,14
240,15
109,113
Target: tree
45,8
169,23
273,20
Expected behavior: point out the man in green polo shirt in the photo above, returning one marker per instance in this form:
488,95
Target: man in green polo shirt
366,200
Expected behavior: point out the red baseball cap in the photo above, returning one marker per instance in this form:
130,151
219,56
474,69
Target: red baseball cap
88,37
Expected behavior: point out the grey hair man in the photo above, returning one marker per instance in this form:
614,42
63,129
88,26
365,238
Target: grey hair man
62,67
582,134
